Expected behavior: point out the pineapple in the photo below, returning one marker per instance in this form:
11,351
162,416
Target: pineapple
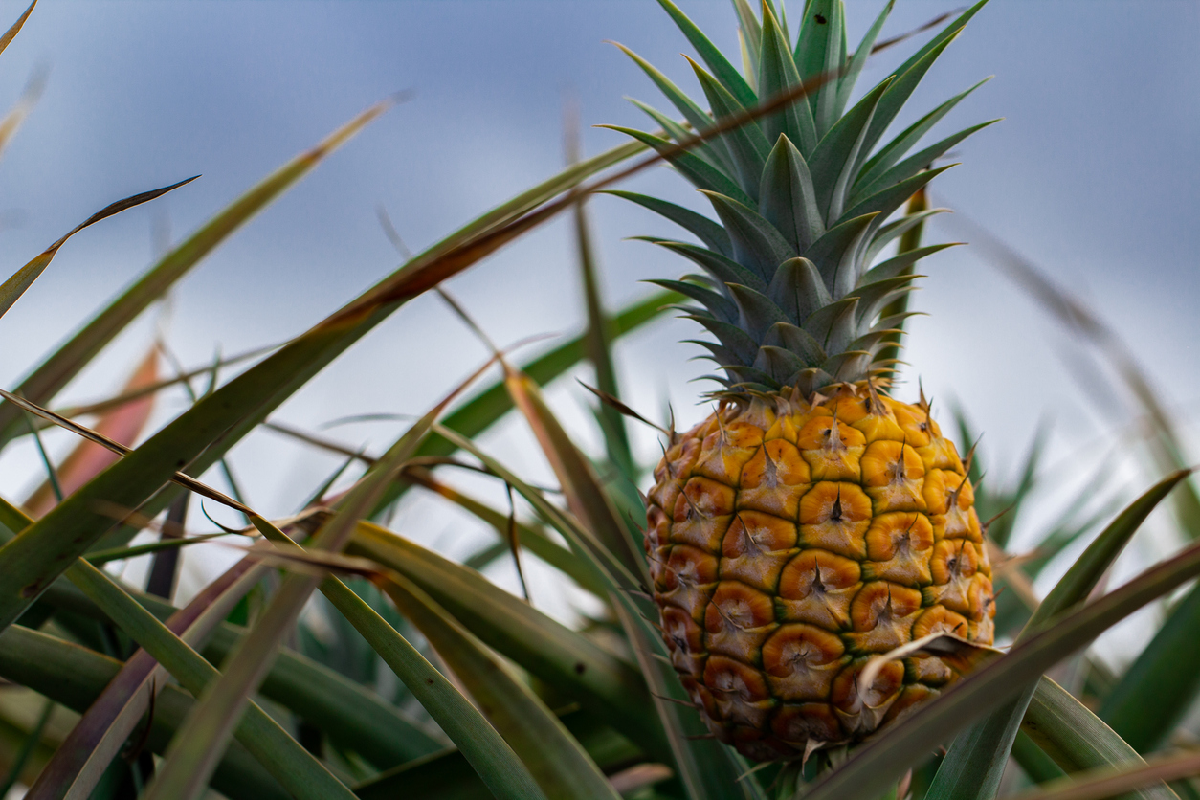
812,521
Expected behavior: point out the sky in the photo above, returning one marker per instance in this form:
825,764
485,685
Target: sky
1091,176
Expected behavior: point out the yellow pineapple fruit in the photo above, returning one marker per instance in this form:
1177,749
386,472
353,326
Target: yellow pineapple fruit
811,522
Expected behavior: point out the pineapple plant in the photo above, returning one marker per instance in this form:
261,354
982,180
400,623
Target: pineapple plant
811,521
815,558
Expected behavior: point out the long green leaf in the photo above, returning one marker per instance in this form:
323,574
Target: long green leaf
881,762
1076,739
448,776
290,764
534,539
75,676
353,717
579,538
82,758
706,767
564,659
497,766
557,762
598,337
975,764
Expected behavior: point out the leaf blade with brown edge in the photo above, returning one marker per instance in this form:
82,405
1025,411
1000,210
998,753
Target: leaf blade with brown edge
15,28
1076,739
1108,782
16,285
585,497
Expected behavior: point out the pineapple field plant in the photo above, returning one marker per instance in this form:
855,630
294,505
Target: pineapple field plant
819,603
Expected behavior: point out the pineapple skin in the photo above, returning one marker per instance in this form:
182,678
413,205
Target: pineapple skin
790,541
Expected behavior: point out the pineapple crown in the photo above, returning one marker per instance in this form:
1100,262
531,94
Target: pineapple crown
803,195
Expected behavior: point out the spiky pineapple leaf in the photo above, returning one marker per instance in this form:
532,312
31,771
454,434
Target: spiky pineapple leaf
845,83
697,117
899,90
694,168
706,230
724,72
834,253
820,52
798,290
893,230
891,153
833,163
75,676
786,196
715,303
557,655
758,312
916,163
747,145
777,73
894,266
757,244
888,200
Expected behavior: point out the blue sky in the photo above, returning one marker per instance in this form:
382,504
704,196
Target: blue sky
1092,175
